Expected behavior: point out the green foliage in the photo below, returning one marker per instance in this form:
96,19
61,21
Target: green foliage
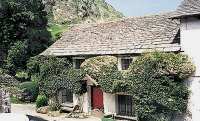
17,57
22,76
54,106
155,80
7,81
157,85
53,74
23,31
15,100
41,101
104,70
107,119
30,90
57,30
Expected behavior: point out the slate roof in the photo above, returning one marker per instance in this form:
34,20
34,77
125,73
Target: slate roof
188,8
126,36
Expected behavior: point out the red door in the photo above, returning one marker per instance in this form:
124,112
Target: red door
97,98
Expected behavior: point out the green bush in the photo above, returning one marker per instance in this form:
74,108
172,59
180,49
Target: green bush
53,74
29,90
41,101
104,70
22,76
158,88
54,106
108,119
15,100
155,81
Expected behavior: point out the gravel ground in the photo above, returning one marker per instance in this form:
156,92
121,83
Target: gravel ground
29,109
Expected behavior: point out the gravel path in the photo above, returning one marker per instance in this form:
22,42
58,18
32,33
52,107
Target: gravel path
29,109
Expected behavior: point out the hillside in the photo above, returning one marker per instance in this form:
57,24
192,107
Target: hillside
75,11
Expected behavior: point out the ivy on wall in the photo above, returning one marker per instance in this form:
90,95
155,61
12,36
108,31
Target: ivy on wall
104,70
155,81
53,74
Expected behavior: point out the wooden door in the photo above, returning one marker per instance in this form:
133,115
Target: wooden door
97,98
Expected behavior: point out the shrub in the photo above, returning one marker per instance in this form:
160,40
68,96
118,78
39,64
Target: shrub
54,106
104,70
29,90
8,81
17,57
53,74
108,119
157,85
155,81
41,101
22,76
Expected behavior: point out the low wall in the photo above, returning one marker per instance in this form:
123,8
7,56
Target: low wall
5,105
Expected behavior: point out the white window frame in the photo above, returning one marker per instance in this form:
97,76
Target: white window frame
120,61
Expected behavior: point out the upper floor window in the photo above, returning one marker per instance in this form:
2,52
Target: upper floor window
125,63
77,62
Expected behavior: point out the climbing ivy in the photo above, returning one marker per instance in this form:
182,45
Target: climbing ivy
104,70
158,85
155,81
53,74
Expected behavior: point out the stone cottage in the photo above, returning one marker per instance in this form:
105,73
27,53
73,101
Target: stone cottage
126,39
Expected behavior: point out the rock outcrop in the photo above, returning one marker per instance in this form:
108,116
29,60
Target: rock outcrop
73,11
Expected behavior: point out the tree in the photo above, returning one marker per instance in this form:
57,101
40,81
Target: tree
53,74
23,31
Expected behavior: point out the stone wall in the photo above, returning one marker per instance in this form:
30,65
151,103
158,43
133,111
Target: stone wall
5,105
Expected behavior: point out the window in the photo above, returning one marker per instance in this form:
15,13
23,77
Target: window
125,105
125,62
67,96
78,62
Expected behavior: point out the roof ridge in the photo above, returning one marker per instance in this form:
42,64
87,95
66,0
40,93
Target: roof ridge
83,25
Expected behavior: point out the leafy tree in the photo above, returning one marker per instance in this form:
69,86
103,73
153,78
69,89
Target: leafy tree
23,31
53,74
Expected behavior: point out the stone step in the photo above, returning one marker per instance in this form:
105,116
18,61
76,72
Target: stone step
67,109
70,105
126,118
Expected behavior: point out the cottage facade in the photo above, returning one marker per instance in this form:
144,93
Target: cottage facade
189,14
127,38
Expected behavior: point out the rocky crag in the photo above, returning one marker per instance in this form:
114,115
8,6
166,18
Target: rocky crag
74,11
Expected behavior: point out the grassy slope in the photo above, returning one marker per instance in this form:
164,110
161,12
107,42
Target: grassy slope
56,29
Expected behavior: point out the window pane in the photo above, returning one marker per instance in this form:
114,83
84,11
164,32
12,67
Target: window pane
125,105
78,63
67,96
125,63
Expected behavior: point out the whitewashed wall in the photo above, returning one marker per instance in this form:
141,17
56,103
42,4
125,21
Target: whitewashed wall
190,42
82,100
110,103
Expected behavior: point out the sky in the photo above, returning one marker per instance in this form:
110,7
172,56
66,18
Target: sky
144,7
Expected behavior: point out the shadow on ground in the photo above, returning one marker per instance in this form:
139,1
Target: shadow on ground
34,118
